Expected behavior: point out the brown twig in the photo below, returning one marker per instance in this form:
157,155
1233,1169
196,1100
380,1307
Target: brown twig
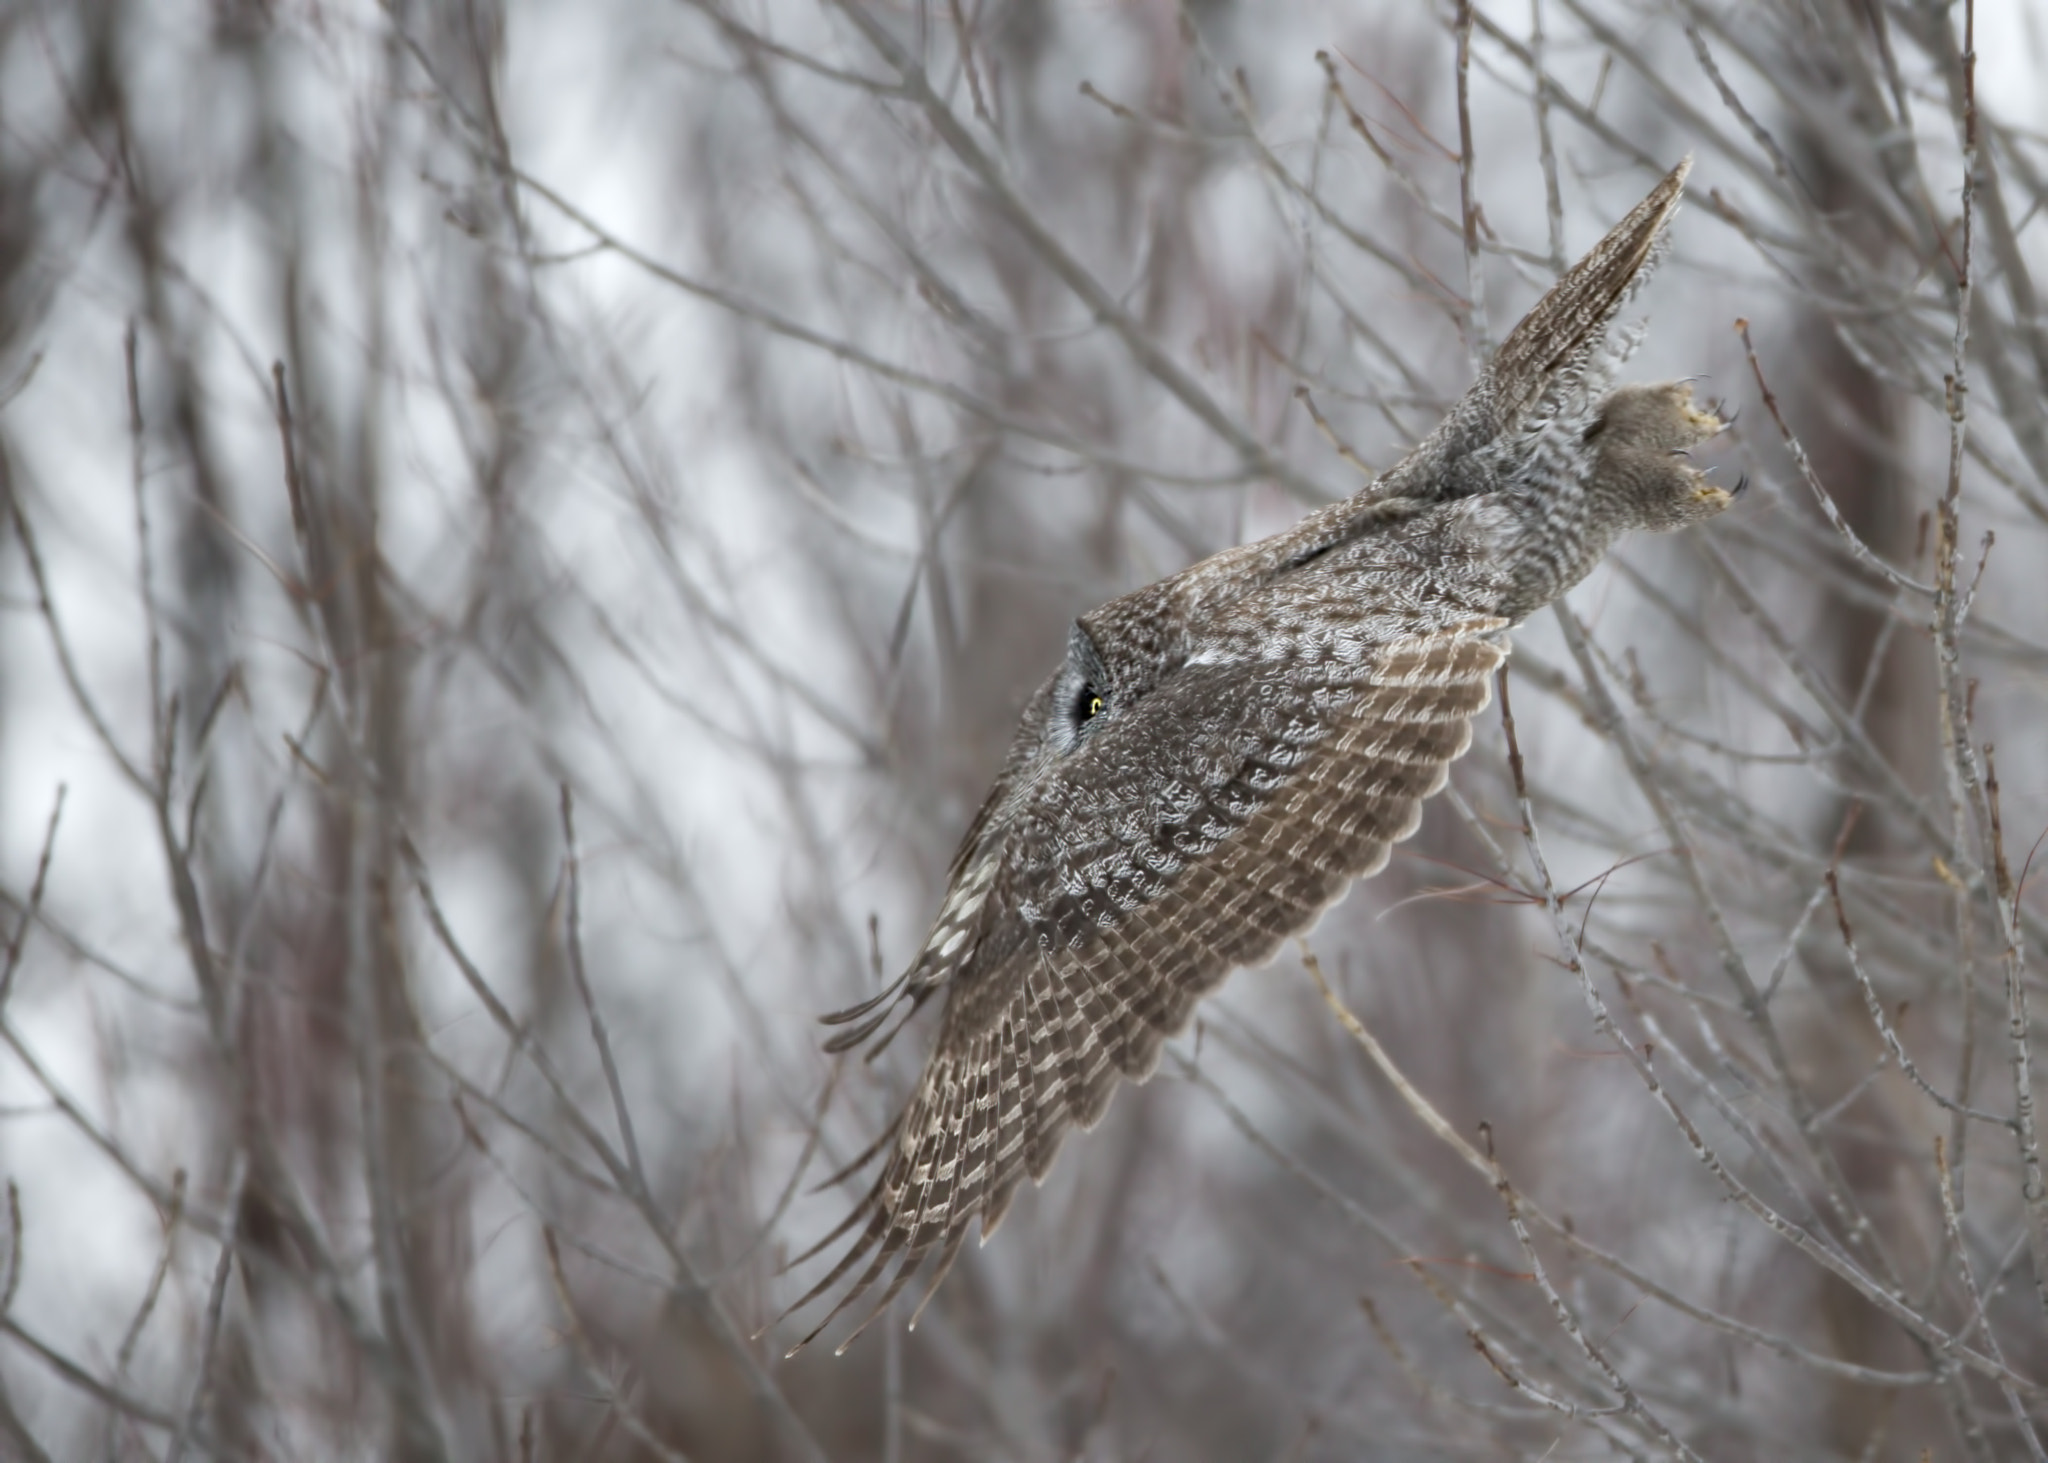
1479,338
1862,551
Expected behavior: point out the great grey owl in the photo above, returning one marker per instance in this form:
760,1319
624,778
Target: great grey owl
1222,753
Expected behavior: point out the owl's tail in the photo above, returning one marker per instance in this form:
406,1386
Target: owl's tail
1557,338
1549,364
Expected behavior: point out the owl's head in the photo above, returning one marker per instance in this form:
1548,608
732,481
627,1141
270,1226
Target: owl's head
1076,703
1117,655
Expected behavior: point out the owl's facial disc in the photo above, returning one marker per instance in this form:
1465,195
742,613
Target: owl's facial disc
1083,692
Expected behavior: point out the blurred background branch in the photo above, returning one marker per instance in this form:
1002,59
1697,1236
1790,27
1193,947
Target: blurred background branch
527,529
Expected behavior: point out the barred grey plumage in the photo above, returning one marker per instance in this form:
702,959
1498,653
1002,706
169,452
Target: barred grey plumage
1225,751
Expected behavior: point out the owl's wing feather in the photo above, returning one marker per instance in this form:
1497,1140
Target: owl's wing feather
1285,790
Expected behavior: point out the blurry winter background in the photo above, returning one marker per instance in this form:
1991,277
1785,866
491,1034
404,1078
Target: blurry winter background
525,527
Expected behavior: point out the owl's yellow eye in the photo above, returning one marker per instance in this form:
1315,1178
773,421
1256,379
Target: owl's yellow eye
1087,705
1094,705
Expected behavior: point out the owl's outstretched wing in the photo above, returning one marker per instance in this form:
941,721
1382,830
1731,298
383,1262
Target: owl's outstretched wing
1214,820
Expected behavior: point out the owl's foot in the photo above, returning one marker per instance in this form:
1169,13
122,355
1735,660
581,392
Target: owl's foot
1659,416
1643,438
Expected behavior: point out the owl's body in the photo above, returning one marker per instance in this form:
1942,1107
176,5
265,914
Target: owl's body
1222,753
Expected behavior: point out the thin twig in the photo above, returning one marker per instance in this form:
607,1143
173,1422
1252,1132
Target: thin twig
160,727
1884,1027
1881,1295
74,679
34,904
599,1036
1546,151
1567,1319
1797,451
2020,1036
1252,454
1343,449
1566,1232
216,1300
173,1221
1479,340
1952,1227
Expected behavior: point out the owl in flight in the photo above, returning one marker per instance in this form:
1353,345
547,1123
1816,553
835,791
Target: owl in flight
1222,753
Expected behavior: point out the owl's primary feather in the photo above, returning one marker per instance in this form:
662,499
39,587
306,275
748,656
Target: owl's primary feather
1225,751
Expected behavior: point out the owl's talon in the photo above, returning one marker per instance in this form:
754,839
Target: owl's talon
1741,486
